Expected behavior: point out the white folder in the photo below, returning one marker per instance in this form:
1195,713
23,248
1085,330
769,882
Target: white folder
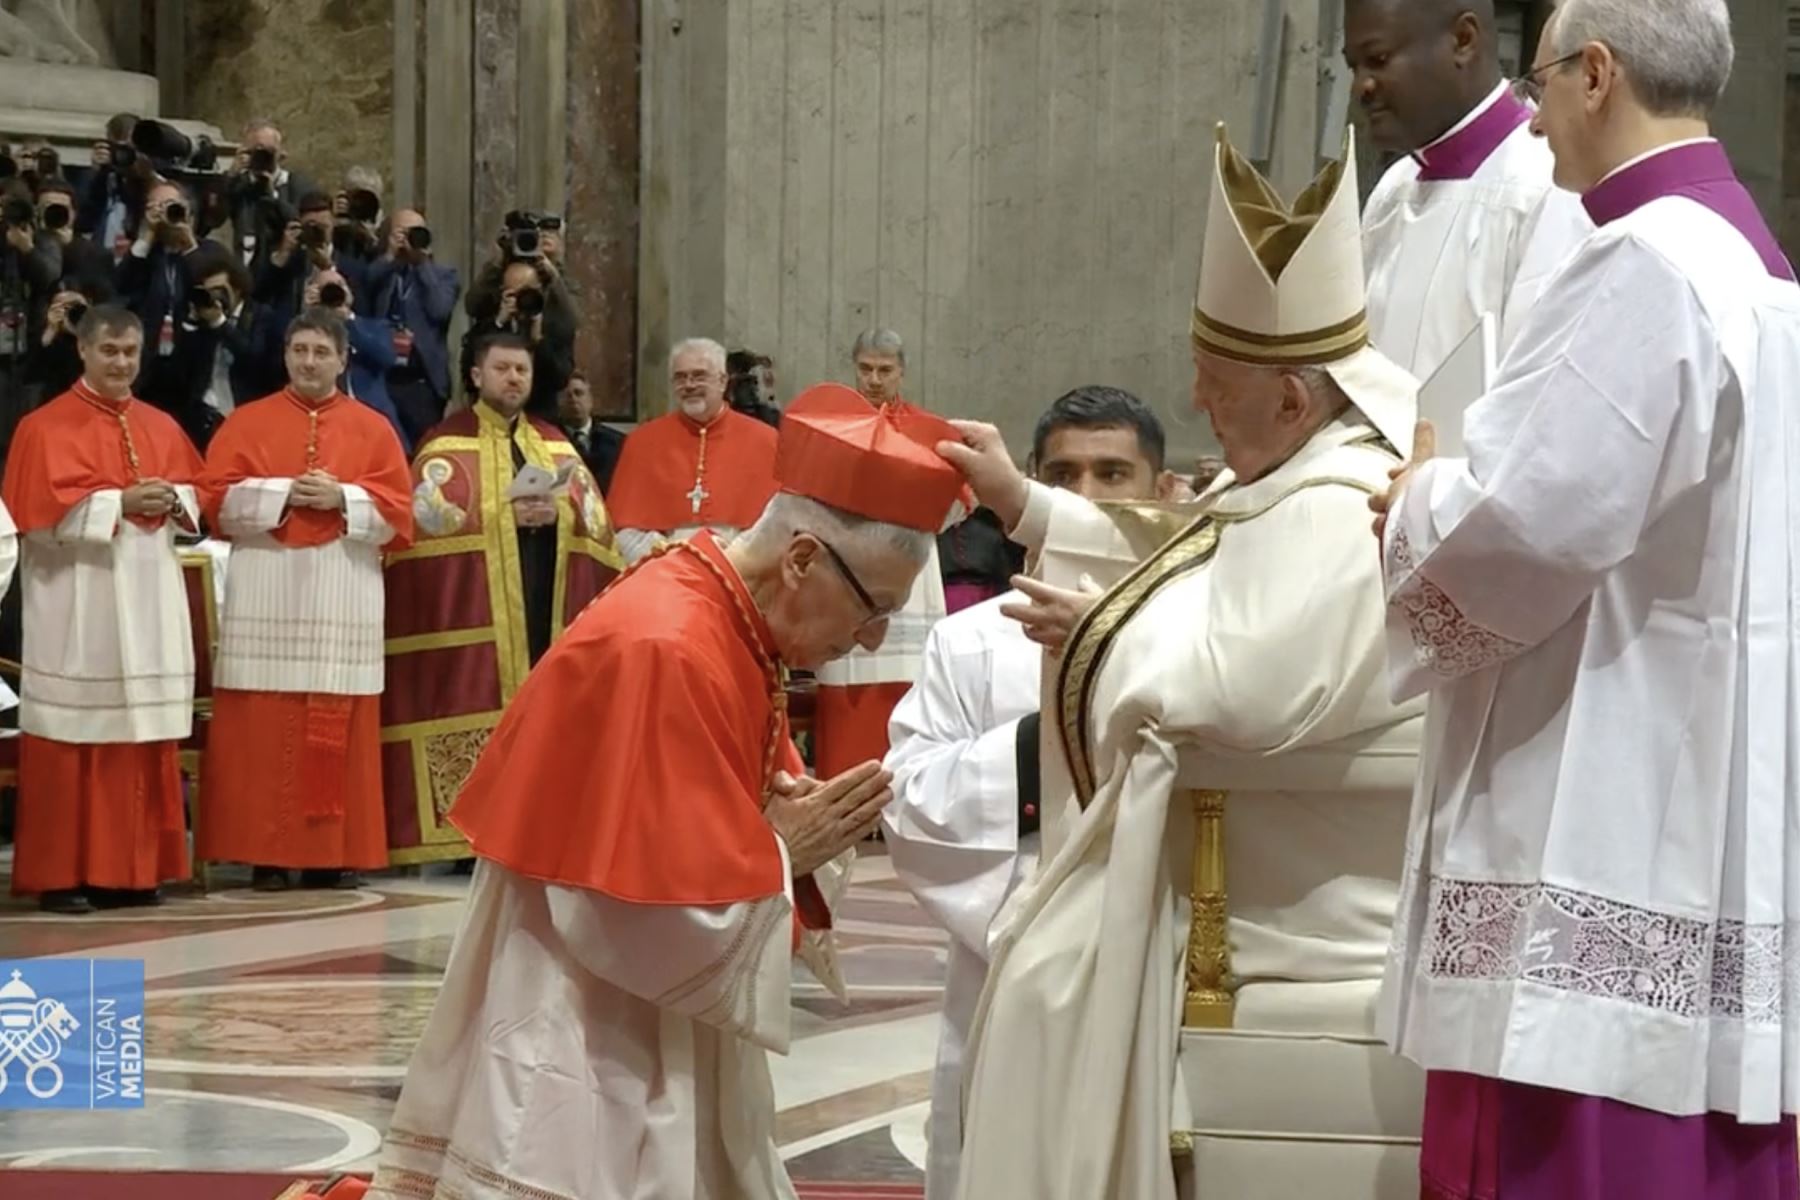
1464,378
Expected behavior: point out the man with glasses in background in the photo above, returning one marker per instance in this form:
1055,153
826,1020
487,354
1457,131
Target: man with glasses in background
703,466
1466,221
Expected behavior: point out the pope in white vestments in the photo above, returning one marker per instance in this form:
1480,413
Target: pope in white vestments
962,830
1254,632
1601,880
1466,221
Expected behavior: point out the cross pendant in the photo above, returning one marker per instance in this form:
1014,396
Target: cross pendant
697,496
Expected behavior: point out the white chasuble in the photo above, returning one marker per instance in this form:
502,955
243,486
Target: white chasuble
953,828
1603,878
1442,250
585,1048
1254,632
108,645
301,618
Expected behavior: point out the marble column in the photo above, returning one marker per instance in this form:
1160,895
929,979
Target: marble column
602,191
1749,120
496,105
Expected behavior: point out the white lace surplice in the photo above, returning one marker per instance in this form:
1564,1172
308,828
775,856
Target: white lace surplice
1604,869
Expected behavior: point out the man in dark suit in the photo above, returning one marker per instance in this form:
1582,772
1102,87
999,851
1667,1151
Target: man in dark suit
598,444
153,282
263,196
415,296
230,351
87,267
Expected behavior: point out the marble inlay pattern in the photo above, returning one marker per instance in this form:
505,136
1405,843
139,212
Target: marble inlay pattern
279,1028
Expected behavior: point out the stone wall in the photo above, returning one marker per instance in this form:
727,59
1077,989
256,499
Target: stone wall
323,69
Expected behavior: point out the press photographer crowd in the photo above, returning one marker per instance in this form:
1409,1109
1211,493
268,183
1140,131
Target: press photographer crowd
217,251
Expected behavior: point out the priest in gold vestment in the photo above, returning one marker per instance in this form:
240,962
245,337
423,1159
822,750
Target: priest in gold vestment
1255,632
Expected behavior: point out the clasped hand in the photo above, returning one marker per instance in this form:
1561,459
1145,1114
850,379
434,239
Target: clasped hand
820,820
316,489
149,498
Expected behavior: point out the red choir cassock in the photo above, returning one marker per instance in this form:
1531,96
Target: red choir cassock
662,712
292,774
677,474
108,672
458,644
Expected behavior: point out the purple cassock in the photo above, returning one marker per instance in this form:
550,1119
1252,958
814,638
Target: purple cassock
1492,1139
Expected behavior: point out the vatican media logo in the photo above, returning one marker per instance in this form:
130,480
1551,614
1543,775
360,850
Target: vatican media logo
71,1033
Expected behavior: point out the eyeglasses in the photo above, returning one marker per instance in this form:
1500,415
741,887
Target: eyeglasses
1530,85
862,593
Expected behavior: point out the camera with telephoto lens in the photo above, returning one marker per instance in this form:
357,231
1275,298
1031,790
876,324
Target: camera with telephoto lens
16,213
333,295
124,155
262,160
164,144
57,216
73,314
523,232
209,298
175,213
313,236
418,237
526,243
528,302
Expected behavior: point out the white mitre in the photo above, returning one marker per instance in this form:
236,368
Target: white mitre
1283,287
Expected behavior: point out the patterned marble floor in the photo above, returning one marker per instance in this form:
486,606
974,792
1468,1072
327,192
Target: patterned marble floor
279,1029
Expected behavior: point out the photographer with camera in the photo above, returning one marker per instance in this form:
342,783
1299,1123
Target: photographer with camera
371,349
229,349
536,238
113,194
526,288
85,266
30,263
263,196
357,216
304,249
416,297
750,386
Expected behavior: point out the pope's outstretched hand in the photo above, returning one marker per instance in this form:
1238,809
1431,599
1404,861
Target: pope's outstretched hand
819,820
1050,614
982,458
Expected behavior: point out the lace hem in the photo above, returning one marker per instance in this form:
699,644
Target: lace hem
1445,641
1578,942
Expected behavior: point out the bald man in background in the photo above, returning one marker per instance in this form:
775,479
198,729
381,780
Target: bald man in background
1467,221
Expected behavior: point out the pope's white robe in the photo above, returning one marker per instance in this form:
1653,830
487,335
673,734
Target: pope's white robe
1603,879
585,1048
1265,641
108,651
1441,252
953,828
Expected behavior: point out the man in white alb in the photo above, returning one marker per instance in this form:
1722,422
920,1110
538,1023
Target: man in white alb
1594,950
962,829
1255,631
1467,221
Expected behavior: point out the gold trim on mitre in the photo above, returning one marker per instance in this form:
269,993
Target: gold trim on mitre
1281,285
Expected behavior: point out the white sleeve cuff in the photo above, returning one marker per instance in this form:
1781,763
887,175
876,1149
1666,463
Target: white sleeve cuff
187,516
254,506
1033,528
636,543
363,522
95,519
